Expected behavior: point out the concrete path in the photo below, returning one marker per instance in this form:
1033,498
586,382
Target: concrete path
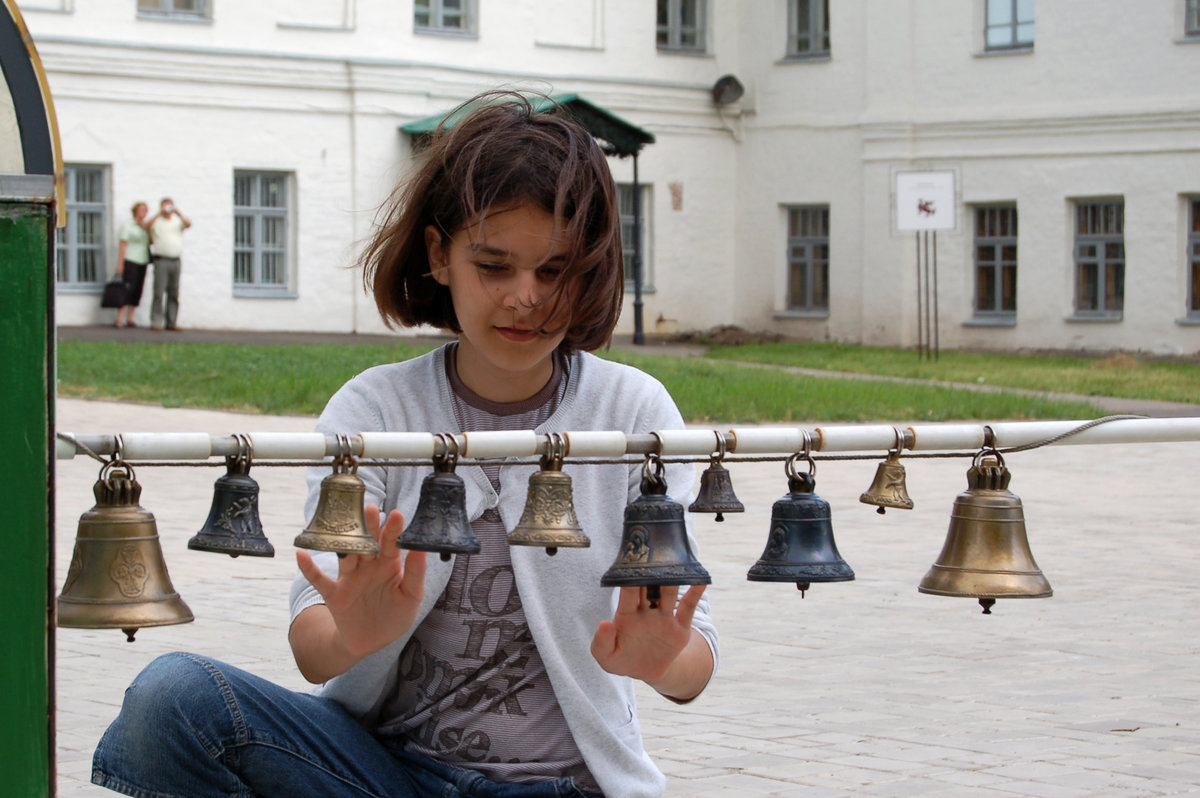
861,688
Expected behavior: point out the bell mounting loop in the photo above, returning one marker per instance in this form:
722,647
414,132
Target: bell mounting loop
654,481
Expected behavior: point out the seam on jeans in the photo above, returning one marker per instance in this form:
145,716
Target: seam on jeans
315,765
240,731
102,779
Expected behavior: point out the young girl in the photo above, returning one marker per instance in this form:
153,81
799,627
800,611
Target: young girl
502,673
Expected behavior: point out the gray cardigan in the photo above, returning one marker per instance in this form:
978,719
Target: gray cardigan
562,597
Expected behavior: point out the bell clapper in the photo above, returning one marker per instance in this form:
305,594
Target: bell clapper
719,517
551,551
881,511
802,586
653,595
445,555
987,603
129,633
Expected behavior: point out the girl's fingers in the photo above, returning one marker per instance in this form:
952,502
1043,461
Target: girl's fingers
392,529
315,576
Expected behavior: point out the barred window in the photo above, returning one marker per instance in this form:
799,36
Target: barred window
808,28
195,9
625,203
1193,244
1100,258
808,258
454,16
83,243
1009,25
681,25
260,229
995,260
1191,18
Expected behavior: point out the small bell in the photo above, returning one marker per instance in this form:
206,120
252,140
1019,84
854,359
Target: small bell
654,545
118,578
716,488
986,554
800,547
549,517
338,524
233,526
440,521
889,488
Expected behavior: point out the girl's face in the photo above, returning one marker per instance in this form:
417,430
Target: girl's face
501,271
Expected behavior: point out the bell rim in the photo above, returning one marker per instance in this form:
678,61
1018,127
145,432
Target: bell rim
344,544
265,549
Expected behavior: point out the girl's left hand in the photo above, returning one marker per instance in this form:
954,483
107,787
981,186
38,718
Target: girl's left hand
643,642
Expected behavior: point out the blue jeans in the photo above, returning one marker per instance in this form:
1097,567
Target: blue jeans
192,727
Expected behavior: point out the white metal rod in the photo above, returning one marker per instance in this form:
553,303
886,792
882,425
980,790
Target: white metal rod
601,443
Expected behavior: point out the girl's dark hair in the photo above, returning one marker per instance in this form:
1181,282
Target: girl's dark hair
496,152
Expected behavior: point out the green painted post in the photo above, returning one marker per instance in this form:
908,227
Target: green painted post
26,488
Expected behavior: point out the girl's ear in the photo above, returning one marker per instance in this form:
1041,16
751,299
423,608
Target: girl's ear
437,254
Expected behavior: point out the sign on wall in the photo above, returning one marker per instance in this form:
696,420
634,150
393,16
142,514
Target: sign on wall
925,201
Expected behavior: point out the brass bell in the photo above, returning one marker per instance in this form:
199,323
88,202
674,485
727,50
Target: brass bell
986,554
716,488
440,521
654,544
889,488
800,547
338,524
549,516
233,526
118,578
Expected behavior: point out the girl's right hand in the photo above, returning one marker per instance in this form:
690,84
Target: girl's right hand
374,599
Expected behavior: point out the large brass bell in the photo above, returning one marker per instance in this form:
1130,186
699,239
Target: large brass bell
889,488
549,517
986,554
117,578
233,526
338,523
654,545
440,521
716,488
800,547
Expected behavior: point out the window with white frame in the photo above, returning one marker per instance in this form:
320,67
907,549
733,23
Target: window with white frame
185,9
1100,258
808,28
996,261
1193,244
444,16
260,230
1008,25
1191,19
808,258
83,243
625,197
681,25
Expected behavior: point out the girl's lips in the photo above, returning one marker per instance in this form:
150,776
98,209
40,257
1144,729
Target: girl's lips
513,334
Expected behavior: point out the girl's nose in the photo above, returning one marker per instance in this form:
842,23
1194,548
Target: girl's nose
521,293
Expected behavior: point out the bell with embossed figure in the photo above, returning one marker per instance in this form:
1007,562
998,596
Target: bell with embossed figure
338,524
233,526
716,488
654,544
800,546
440,522
549,518
118,578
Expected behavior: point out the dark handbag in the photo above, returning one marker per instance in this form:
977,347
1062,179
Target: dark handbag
114,295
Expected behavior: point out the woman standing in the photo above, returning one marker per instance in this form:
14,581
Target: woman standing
132,258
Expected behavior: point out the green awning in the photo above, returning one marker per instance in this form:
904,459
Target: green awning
615,135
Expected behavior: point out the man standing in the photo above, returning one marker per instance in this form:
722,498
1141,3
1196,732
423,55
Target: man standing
166,238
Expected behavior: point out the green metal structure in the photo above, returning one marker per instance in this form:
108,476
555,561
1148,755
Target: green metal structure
29,171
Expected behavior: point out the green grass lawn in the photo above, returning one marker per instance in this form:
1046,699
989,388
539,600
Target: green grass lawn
298,380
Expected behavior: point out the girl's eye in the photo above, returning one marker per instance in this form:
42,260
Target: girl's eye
491,268
550,273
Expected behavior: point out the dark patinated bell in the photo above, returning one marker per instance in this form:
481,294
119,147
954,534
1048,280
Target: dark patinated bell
440,521
889,488
986,553
549,518
654,545
716,492
118,578
800,547
338,524
233,526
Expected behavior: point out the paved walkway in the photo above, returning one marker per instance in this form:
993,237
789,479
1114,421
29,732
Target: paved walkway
861,688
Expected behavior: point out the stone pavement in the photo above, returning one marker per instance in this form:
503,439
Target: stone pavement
861,688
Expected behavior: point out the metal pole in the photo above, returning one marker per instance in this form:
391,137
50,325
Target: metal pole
920,304
639,336
936,343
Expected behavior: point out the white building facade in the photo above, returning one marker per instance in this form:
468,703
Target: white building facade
1069,133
